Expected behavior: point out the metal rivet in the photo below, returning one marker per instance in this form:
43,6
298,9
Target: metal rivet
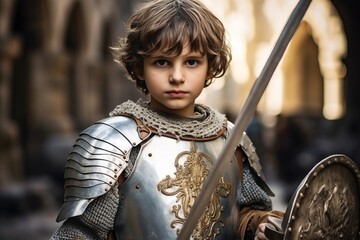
110,182
115,170
150,154
137,187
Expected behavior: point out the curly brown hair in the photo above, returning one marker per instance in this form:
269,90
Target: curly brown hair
167,25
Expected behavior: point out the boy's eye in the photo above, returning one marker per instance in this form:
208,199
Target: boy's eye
192,62
161,62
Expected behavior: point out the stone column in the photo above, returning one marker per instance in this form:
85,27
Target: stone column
11,167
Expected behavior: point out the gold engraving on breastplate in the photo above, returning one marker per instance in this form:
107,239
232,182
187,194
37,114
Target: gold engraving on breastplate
192,169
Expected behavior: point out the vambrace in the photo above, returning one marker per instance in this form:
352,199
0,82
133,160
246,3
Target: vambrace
250,220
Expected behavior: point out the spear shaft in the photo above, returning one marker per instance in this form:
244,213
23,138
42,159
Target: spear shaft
244,117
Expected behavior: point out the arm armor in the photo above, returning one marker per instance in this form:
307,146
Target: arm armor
249,150
99,156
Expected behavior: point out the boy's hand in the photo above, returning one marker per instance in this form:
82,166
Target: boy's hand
260,232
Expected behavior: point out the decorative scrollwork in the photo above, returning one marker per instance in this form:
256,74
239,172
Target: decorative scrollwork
328,215
326,203
192,169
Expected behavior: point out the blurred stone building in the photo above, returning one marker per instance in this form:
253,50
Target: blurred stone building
57,75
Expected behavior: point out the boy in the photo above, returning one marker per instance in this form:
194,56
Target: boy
136,174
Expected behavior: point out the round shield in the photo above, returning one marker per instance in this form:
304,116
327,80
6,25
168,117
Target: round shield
326,203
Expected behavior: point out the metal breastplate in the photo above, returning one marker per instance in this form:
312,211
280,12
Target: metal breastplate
168,175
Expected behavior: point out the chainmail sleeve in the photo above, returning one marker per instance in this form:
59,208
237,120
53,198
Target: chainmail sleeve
95,223
254,203
250,194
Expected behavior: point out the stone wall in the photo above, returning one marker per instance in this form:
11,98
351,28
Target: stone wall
56,77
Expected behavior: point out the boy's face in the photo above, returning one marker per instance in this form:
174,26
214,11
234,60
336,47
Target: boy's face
174,82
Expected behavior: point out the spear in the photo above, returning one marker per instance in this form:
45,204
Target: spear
244,117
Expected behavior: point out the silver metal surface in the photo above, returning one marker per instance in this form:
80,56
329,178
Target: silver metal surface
250,151
167,177
97,159
245,115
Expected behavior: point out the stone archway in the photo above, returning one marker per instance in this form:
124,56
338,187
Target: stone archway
303,80
31,19
30,24
321,44
75,43
75,40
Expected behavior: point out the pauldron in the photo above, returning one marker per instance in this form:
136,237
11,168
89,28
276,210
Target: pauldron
98,157
249,149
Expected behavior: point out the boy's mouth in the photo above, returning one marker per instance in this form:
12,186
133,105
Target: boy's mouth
176,93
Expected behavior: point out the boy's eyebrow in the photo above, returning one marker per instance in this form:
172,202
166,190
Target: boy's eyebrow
158,56
190,54
195,54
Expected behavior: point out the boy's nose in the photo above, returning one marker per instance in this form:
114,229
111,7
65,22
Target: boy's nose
176,76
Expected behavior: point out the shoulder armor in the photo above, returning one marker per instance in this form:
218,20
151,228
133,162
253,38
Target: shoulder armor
99,156
250,151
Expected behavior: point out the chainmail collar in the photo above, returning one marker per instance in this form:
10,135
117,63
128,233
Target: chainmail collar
206,122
